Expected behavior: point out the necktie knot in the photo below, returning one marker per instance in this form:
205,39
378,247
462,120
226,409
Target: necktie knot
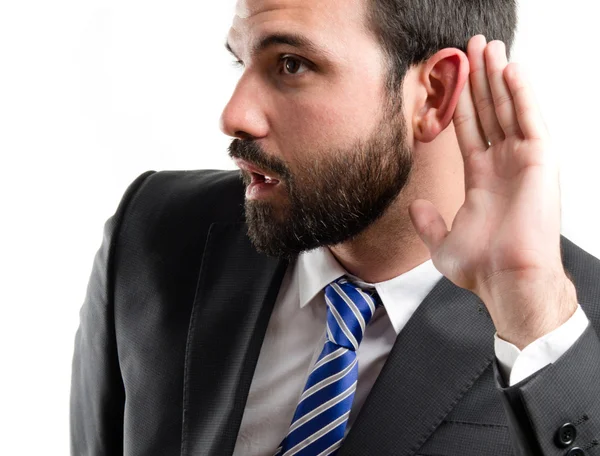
349,310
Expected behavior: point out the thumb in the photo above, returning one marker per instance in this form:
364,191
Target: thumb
428,223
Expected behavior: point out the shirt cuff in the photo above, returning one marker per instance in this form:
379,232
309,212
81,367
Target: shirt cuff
516,365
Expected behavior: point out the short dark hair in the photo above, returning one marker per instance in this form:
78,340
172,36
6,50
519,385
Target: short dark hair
411,31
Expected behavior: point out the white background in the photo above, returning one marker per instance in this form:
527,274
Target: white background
92,93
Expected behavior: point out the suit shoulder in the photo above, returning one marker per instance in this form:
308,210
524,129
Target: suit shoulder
584,270
211,195
166,219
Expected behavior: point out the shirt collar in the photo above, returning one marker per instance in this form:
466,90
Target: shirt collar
316,269
400,296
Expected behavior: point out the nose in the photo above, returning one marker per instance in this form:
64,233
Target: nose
244,116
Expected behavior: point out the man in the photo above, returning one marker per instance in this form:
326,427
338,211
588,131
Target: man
337,313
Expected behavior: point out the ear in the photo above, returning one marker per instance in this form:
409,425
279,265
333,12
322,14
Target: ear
442,79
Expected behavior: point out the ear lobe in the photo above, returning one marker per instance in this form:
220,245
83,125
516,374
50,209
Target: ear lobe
443,78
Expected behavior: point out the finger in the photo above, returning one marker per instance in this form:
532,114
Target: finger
496,61
482,94
469,133
527,111
429,224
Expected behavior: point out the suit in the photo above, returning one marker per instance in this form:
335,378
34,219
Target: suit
154,375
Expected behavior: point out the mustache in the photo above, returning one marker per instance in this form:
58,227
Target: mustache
249,150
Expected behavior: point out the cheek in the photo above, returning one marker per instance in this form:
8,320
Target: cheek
331,119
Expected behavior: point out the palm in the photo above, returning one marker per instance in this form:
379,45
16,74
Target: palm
511,214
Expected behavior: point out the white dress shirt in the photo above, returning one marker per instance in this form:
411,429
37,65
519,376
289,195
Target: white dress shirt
296,334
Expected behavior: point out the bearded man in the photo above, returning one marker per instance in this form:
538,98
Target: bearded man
386,278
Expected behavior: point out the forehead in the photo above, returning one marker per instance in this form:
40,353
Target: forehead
332,21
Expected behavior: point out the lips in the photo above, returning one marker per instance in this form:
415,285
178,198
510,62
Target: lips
258,175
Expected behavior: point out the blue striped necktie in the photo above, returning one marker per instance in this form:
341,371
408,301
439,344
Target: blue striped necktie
320,419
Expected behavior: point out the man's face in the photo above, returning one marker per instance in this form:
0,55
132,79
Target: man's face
322,151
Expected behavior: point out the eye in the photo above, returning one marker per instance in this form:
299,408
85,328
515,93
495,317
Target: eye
291,65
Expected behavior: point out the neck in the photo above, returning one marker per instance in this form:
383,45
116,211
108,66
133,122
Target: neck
387,249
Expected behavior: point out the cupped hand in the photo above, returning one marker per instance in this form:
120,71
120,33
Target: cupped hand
506,236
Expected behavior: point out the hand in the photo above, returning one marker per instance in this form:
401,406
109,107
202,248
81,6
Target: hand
504,244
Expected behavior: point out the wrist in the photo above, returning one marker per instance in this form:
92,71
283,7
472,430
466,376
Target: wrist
529,306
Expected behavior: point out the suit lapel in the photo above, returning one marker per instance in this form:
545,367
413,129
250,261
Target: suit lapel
444,348
236,291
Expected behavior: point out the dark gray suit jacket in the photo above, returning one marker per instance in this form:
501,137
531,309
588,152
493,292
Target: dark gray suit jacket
177,306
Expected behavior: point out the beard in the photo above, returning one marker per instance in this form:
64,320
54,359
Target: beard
332,196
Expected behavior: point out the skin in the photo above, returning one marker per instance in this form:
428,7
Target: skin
488,216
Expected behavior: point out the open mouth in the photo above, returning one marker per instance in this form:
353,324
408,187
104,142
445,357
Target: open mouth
258,178
261,184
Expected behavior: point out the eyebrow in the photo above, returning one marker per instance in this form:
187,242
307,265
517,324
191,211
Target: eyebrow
274,39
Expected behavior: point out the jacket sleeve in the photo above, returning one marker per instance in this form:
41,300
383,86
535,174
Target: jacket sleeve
558,408
97,392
